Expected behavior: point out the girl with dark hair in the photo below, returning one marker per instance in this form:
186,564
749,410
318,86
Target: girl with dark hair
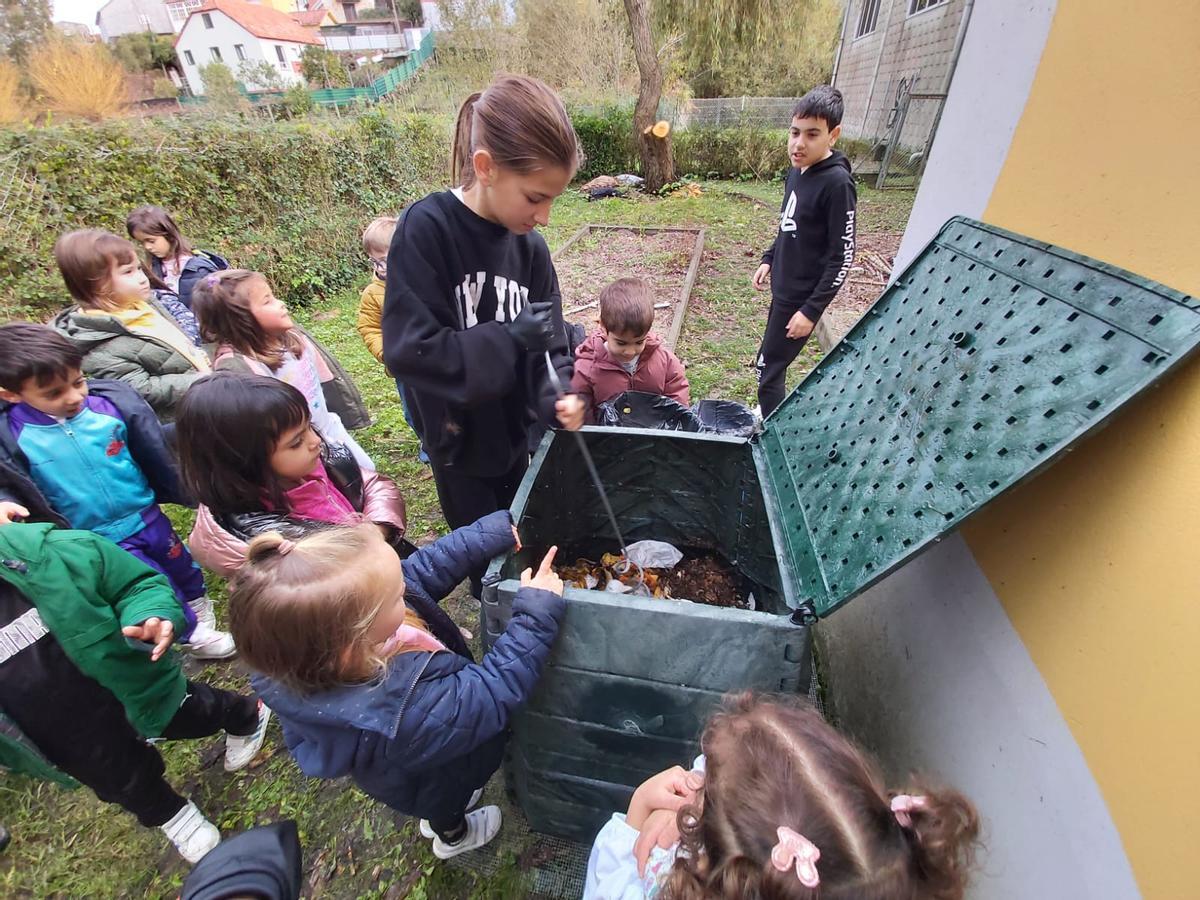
250,455
172,258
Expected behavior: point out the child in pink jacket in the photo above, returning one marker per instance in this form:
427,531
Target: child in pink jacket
250,455
624,354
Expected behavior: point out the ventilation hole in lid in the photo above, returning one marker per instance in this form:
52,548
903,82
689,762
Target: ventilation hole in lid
998,253
948,516
1101,369
946,430
1040,448
908,542
1035,329
1151,358
986,397
1003,451
970,454
1114,301
977,245
1009,314
1002,342
993,368
938,458
993,484
1072,317
992,277
929,485
1018,389
976,426
1011,420
1108,335
1043,301
1057,379
1079,286
956,404
879,538
1020,262
1155,319
1047,273
890,512
959,486
1095,404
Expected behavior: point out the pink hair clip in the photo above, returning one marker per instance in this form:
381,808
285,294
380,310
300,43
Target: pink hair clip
794,849
903,805
285,547
212,279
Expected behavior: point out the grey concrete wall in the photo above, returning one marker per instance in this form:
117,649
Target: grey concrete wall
918,46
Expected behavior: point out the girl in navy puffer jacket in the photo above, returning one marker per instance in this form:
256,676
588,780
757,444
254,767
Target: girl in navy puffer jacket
372,679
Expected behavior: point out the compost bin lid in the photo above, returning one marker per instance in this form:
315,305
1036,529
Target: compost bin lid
982,363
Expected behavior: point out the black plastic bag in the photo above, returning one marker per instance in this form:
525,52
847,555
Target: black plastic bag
638,409
725,417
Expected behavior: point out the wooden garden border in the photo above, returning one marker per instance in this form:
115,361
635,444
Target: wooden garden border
689,281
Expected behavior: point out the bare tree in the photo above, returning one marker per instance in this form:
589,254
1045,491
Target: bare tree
654,144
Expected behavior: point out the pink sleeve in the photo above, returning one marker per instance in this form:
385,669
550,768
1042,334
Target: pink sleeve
382,500
214,547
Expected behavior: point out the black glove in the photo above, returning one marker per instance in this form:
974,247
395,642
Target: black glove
533,329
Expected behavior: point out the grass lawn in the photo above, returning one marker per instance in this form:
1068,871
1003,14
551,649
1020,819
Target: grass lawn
68,844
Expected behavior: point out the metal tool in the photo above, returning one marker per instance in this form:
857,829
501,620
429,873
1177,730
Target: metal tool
591,467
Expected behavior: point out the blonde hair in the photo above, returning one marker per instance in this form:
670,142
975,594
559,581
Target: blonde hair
378,235
301,611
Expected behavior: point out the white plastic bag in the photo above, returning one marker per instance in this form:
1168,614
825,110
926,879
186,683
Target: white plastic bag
653,555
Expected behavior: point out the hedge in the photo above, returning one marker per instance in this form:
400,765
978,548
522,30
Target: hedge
287,199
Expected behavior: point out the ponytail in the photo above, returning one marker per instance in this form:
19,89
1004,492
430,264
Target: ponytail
462,169
521,122
943,833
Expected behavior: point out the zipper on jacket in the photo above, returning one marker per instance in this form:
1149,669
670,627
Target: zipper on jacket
411,688
111,506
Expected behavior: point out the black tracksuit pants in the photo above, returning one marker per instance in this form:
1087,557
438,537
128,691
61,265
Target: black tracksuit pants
777,352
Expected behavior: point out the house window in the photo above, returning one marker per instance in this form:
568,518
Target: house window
207,20
215,53
240,51
279,53
869,18
916,6
188,58
350,12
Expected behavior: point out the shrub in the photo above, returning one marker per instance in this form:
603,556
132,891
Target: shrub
164,89
78,79
221,88
12,103
731,152
289,199
606,135
297,101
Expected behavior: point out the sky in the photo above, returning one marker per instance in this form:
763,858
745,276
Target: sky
77,10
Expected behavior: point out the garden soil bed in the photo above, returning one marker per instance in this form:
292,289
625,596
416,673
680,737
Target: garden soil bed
600,256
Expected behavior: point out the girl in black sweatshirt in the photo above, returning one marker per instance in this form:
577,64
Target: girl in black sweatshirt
473,303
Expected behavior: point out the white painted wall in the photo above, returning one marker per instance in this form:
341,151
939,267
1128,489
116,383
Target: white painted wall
925,669
431,16
225,35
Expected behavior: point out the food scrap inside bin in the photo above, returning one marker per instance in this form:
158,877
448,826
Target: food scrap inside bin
702,577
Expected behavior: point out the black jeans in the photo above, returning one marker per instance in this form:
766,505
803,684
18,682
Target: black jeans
451,829
776,353
468,498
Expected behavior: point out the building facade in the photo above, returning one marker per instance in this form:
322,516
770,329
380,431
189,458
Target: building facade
118,17
887,45
241,36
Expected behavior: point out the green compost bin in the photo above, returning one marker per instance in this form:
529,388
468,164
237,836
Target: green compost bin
984,361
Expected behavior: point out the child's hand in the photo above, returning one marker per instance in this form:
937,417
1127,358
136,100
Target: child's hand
660,829
546,579
10,511
159,632
669,790
761,277
799,326
570,411
517,545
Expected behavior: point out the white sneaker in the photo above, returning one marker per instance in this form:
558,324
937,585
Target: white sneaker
240,749
191,833
203,608
482,826
208,643
427,829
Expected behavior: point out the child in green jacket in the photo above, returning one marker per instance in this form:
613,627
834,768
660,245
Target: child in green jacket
84,627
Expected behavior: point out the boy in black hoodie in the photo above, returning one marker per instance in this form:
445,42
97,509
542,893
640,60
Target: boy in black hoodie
814,248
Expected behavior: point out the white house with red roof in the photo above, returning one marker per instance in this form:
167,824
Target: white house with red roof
241,34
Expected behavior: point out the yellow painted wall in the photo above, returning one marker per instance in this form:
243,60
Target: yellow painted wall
1097,562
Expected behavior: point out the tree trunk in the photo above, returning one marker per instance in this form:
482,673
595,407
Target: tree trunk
658,162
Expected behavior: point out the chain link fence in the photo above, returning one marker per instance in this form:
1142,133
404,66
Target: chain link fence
737,112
